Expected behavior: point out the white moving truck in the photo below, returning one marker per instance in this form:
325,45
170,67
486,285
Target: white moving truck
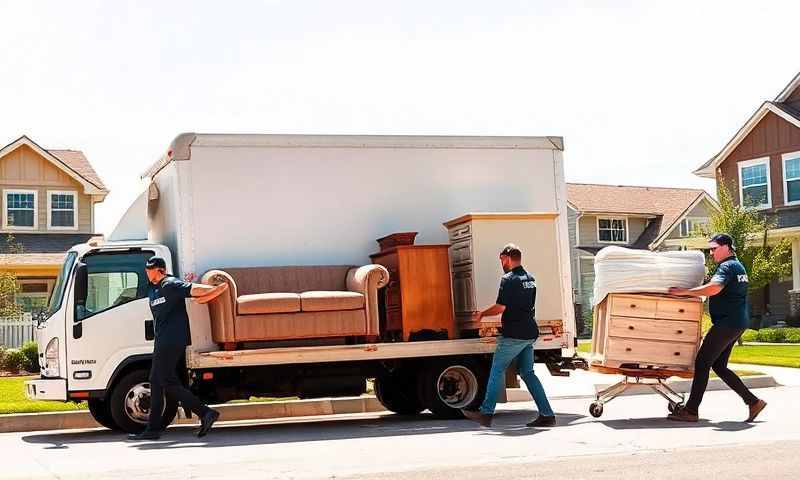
216,201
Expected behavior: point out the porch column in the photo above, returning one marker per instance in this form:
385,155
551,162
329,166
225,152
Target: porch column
796,263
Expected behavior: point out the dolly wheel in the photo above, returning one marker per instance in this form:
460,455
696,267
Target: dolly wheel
674,407
596,409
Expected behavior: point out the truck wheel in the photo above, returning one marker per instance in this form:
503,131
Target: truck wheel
98,407
447,387
130,403
398,394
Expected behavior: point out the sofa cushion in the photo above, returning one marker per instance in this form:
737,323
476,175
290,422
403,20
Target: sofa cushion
331,301
268,303
252,280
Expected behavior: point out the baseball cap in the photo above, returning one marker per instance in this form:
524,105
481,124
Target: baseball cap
723,239
156,262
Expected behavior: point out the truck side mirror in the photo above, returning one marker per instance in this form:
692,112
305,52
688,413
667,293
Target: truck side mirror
81,289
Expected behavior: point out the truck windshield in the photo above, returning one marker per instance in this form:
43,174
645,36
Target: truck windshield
61,284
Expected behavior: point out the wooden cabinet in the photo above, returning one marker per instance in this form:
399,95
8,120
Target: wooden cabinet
645,331
418,300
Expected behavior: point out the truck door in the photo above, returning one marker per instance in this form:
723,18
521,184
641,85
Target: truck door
114,323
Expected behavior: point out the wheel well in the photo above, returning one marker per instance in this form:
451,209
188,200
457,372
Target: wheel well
138,362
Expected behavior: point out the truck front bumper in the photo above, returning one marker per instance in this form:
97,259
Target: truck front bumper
46,389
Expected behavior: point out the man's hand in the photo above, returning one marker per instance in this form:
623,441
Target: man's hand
678,292
477,316
190,277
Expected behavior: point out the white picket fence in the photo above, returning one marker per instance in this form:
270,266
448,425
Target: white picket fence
14,332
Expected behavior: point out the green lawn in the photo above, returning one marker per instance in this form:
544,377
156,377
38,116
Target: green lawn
787,355
13,399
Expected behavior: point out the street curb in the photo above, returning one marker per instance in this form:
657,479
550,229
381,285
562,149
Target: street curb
679,385
32,422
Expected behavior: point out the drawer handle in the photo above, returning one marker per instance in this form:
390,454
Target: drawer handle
628,349
680,332
681,311
633,305
677,354
630,327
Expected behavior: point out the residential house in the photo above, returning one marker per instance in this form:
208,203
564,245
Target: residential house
650,218
761,167
48,199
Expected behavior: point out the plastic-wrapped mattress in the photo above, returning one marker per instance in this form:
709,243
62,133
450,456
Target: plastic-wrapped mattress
624,270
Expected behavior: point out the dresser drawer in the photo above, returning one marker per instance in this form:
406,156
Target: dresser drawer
461,253
460,231
650,329
394,319
679,309
648,352
393,298
631,306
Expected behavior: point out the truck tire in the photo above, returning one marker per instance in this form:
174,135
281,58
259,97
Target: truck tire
101,412
130,403
398,393
448,386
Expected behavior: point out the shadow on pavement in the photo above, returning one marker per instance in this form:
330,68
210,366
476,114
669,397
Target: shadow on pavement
663,423
505,424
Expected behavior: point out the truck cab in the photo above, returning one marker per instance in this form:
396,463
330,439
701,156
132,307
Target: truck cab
99,328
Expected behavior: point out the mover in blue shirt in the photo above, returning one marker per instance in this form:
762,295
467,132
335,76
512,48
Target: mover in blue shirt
727,292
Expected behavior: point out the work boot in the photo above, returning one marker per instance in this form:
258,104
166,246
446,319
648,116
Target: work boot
755,409
682,415
145,435
476,416
543,421
207,421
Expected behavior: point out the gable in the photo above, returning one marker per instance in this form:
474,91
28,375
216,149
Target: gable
25,166
772,134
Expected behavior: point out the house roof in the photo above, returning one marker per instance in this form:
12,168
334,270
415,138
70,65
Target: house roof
667,205
35,243
789,89
787,113
72,162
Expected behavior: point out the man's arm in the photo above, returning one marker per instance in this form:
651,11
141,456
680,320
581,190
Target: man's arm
205,293
708,290
492,311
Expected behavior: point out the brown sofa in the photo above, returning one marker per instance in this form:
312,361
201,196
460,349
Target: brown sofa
286,303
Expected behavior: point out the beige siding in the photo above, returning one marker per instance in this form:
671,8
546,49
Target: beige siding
572,217
701,211
24,169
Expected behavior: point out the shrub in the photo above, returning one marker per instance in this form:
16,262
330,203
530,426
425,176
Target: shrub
14,360
2,357
31,351
750,336
771,335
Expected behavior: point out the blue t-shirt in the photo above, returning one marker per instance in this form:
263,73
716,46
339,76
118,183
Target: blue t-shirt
518,294
167,302
728,308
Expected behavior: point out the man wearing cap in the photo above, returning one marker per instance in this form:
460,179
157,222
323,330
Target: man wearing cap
167,296
727,292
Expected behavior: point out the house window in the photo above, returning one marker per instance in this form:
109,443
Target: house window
20,209
61,210
791,178
612,230
690,226
754,183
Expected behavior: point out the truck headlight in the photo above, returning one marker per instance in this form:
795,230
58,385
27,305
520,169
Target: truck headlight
51,366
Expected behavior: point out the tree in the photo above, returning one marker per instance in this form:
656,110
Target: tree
8,283
749,228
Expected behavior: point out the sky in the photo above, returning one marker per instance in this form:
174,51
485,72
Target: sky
642,92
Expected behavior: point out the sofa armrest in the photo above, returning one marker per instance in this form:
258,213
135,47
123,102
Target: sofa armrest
222,309
367,280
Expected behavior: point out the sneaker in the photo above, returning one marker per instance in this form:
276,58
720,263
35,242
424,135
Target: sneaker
755,409
145,435
476,416
206,422
543,421
683,415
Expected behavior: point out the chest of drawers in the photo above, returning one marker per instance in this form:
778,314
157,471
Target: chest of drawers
643,331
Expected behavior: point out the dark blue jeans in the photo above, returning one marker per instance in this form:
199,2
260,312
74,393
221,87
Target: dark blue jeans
508,350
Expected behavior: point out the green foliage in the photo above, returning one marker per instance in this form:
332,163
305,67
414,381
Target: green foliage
14,360
749,228
31,352
773,335
750,336
8,282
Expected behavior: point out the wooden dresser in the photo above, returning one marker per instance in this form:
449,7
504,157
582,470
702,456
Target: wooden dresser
418,300
646,330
